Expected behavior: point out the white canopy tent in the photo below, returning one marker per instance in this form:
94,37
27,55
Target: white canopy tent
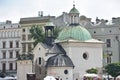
49,78
118,77
91,75
8,78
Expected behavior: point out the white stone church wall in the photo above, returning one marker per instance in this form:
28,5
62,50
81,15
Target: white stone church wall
58,72
24,68
76,50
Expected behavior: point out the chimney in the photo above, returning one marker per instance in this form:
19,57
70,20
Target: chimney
8,22
40,13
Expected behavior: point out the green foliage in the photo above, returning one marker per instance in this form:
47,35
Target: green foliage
113,69
28,56
92,70
37,34
56,31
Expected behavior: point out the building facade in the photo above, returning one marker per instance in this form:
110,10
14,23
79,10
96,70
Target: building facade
72,53
104,30
9,46
109,32
26,24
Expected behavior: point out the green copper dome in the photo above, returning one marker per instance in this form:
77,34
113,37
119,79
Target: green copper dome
74,33
74,10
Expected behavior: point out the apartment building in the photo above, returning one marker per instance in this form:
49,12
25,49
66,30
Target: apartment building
26,24
9,46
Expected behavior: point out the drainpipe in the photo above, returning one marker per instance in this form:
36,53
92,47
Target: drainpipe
117,38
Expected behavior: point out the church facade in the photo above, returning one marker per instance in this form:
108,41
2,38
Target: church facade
70,55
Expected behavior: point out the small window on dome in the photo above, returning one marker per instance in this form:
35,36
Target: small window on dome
85,55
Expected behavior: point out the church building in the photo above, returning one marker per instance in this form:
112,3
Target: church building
70,55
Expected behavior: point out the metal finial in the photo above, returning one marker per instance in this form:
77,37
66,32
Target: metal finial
74,3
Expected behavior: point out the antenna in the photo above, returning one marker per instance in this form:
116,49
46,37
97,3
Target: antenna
73,3
39,13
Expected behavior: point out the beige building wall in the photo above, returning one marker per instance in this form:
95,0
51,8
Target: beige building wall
24,68
26,24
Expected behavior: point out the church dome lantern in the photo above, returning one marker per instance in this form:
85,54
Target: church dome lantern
74,16
74,10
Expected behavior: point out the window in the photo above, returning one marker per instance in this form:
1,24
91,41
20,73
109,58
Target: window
109,55
4,27
11,44
99,39
3,67
4,55
16,66
23,30
29,37
29,47
17,44
23,37
11,54
17,54
39,60
110,31
65,71
108,42
18,26
4,44
23,47
10,66
85,55
108,59
94,31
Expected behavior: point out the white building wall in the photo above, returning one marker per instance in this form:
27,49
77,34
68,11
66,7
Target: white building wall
58,72
76,51
7,34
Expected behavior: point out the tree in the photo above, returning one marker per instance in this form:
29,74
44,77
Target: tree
37,34
113,69
92,70
56,31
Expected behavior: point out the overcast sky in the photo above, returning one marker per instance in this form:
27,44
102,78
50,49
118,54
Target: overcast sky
15,9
